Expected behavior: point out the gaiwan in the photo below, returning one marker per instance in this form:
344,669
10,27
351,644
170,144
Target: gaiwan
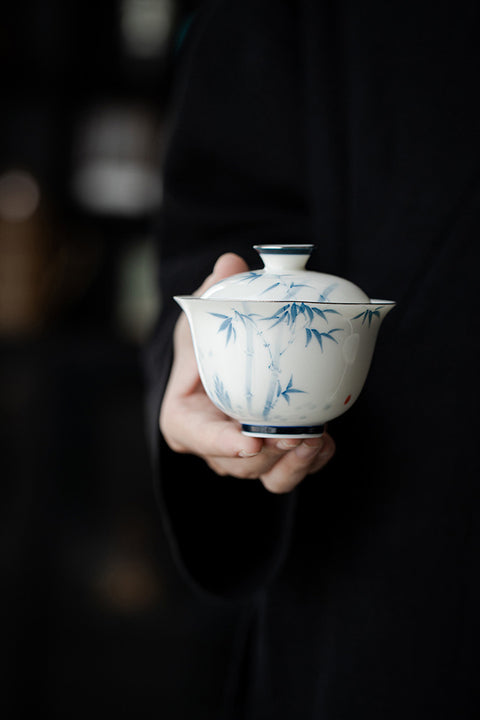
284,349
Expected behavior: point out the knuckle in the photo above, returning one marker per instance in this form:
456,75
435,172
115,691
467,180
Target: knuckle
175,446
248,474
216,467
273,488
279,486
163,423
244,472
172,443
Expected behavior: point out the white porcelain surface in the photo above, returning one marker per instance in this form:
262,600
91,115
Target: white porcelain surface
284,366
284,277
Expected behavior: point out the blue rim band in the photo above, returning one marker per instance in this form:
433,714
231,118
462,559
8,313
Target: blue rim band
284,249
284,429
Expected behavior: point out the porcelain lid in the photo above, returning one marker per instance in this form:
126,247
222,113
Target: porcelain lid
284,277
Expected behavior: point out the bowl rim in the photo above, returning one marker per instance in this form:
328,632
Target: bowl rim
299,301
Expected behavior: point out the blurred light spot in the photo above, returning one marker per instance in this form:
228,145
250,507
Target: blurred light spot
138,299
146,26
19,195
118,186
117,169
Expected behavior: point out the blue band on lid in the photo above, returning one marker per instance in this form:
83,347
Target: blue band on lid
284,249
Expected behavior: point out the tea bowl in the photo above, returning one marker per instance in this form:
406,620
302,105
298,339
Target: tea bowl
284,350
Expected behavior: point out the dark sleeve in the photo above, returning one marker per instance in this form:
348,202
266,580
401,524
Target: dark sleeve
233,176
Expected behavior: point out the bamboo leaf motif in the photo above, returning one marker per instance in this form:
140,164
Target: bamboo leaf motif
289,314
291,288
251,276
230,332
222,394
246,318
324,295
288,390
367,315
280,319
320,336
227,323
323,313
270,288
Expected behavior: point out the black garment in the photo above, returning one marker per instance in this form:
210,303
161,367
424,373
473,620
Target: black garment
353,126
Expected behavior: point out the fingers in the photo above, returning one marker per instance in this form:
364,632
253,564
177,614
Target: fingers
192,424
279,469
188,420
309,457
184,375
220,438
251,466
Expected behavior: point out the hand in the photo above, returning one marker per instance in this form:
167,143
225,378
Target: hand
191,423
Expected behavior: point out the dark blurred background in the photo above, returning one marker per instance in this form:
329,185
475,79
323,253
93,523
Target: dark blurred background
94,616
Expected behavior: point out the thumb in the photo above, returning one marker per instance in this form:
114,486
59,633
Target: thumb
226,265
184,370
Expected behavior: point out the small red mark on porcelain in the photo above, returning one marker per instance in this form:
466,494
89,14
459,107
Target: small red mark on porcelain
347,399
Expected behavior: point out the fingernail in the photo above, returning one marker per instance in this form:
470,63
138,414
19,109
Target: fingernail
245,454
286,444
305,452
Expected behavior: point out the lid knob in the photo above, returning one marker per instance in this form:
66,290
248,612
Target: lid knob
284,258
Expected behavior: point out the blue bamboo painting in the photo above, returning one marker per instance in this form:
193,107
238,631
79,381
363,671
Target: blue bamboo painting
367,315
290,288
290,312
289,390
320,336
295,317
222,395
270,337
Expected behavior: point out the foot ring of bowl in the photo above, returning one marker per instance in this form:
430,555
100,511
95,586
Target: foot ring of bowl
283,431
